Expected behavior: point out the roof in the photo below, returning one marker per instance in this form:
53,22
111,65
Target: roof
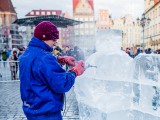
75,3
44,12
156,1
57,20
7,6
91,4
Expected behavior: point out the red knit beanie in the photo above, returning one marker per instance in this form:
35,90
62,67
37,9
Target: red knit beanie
46,31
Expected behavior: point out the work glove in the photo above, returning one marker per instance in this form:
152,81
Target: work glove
66,60
78,69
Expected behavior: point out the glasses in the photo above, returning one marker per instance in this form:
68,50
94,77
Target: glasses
54,40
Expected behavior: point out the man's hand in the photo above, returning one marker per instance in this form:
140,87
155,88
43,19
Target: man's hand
79,68
66,60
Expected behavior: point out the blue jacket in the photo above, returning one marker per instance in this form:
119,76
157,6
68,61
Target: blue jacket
43,82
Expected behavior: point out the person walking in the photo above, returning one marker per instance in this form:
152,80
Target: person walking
13,64
4,57
43,81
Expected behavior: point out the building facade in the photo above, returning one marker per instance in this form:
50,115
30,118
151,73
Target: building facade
104,20
152,31
67,34
36,13
9,36
131,31
83,10
7,13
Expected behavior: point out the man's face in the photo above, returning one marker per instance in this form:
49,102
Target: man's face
51,43
67,48
14,53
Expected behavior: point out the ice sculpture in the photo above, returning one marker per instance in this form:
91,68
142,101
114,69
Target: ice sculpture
116,87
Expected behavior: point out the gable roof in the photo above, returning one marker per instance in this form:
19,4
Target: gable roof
75,3
7,6
91,4
156,1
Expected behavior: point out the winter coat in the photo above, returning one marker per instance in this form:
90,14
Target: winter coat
69,53
13,62
43,82
79,55
4,55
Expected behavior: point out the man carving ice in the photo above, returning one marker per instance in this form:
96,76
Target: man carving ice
43,82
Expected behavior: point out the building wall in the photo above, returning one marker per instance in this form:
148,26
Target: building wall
83,10
152,31
40,12
104,20
6,37
131,31
7,18
67,34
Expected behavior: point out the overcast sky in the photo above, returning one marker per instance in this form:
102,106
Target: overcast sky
117,8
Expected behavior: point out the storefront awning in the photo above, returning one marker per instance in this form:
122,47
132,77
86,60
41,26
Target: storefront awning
57,20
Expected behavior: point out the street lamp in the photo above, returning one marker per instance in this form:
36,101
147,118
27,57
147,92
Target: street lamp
123,39
143,22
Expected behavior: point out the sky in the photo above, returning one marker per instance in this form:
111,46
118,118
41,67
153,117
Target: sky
117,8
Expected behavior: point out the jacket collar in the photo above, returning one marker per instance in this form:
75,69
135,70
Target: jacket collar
40,44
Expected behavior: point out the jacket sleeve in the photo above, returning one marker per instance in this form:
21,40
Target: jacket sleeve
57,78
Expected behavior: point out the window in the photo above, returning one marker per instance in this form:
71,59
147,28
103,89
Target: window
86,25
91,19
81,19
76,18
48,13
76,26
91,26
87,32
53,13
81,33
37,12
12,18
77,33
7,20
86,19
81,25
42,13
32,13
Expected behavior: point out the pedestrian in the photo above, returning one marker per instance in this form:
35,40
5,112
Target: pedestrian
4,57
138,51
149,51
43,81
68,51
13,64
131,52
78,53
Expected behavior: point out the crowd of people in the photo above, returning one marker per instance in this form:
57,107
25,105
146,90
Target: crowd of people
75,52
133,52
12,55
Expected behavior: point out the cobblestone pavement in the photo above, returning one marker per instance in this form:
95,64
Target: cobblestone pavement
10,103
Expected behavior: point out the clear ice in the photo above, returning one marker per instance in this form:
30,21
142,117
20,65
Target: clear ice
117,87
